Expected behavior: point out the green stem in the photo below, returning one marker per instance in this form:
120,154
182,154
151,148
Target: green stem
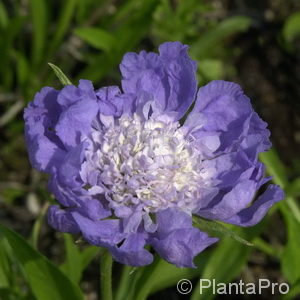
106,262
266,248
37,225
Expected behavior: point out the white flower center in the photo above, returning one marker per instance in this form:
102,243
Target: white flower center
148,163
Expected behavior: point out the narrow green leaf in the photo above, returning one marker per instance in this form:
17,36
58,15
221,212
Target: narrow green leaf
45,279
73,266
60,75
211,68
64,21
293,292
290,260
5,272
9,294
213,37
145,278
265,247
22,68
169,275
127,36
275,167
88,254
226,261
160,275
124,283
3,16
7,38
36,228
293,189
39,22
213,226
291,27
96,37
76,260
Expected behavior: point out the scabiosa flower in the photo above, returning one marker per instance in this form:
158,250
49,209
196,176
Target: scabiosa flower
128,172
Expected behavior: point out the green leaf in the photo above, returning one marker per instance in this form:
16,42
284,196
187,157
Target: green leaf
226,262
3,16
88,254
64,21
169,275
5,271
157,276
96,37
73,265
291,27
9,294
39,22
22,68
212,38
124,283
293,292
290,260
211,69
127,35
76,260
216,227
60,75
7,39
45,279
275,167
293,189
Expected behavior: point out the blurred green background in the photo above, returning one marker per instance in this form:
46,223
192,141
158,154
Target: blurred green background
253,42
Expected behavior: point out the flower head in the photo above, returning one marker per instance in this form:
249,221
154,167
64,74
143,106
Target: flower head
127,171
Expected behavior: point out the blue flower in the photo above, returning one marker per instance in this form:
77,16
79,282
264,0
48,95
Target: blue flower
128,172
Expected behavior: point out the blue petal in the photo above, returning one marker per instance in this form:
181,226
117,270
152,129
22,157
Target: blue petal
62,220
230,116
132,251
103,233
44,147
254,214
176,240
80,108
169,78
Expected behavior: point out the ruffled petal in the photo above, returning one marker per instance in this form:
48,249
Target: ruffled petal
68,172
168,78
43,153
103,233
254,214
62,220
132,251
172,219
230,116
176,240
230,168
132,222
182,245
44,147
227,205
92,209
257,138
107,98
66,196
70,94
75,122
